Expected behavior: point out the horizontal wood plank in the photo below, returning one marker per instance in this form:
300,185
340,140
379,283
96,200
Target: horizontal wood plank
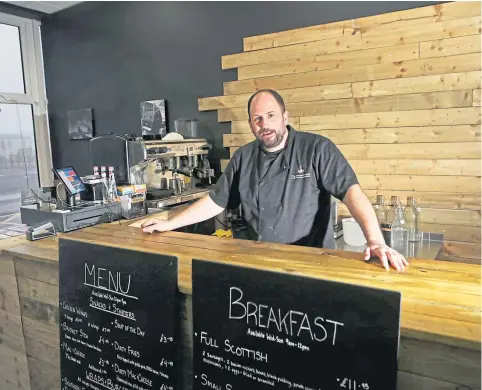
408,102
438,167
452,184
449,29
454,232
382,135
460,218
476,97
431,151
438,361
331,61
40,291
328,92
403,35
43,272
386,21
302,50
43,312
440,117
419,84
440,200
401,69
409,381
450,46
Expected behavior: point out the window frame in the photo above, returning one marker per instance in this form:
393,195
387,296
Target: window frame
35,95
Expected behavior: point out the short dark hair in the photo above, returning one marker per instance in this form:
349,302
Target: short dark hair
273,93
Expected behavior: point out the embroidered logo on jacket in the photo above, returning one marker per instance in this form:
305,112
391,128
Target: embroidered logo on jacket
301,173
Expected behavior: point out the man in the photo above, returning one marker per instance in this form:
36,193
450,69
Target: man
284,180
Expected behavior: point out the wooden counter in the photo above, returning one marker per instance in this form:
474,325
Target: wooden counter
440,322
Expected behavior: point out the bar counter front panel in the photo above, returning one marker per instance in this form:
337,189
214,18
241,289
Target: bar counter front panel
440,313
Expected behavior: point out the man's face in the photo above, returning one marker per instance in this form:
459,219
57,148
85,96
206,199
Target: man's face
268,123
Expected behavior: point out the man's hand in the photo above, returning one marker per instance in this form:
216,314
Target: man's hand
155,225
386,254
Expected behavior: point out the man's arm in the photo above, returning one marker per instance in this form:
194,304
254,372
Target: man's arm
362,210
225,194
203,209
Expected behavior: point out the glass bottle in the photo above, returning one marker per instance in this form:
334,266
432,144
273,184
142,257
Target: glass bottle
380,210
112,185
418,221
392,210
399,234
411,220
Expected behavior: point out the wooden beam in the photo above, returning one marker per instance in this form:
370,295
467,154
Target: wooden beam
403,35
452,184
380,55
401,69
419,84
437,167
449,150
382,135
435,200
408,102
439,117
450,46
328,92
387,21
432,31
39,291
440,216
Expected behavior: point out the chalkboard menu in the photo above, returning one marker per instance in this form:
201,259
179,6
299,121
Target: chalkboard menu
117,318
256,329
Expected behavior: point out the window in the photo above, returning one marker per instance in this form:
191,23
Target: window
25,155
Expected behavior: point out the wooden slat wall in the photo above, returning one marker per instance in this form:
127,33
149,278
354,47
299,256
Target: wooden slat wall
398,93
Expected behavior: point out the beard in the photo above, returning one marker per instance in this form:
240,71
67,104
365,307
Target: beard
274,139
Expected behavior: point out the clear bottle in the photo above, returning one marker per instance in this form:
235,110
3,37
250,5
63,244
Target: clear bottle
399,234
112,187
105,185
380,210
418,221
392,209
411,220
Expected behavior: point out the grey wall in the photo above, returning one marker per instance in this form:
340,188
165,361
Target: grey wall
110,56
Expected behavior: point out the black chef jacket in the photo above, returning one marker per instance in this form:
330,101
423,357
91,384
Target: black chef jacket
285,196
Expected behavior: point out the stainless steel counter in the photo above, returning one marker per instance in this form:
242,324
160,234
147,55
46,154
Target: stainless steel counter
428,248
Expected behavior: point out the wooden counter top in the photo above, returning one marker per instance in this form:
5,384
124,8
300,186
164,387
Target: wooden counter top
440,300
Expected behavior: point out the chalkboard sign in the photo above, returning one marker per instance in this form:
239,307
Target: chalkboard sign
264,330
117,318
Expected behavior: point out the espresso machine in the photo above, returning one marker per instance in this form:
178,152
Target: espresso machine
175,170
178,170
